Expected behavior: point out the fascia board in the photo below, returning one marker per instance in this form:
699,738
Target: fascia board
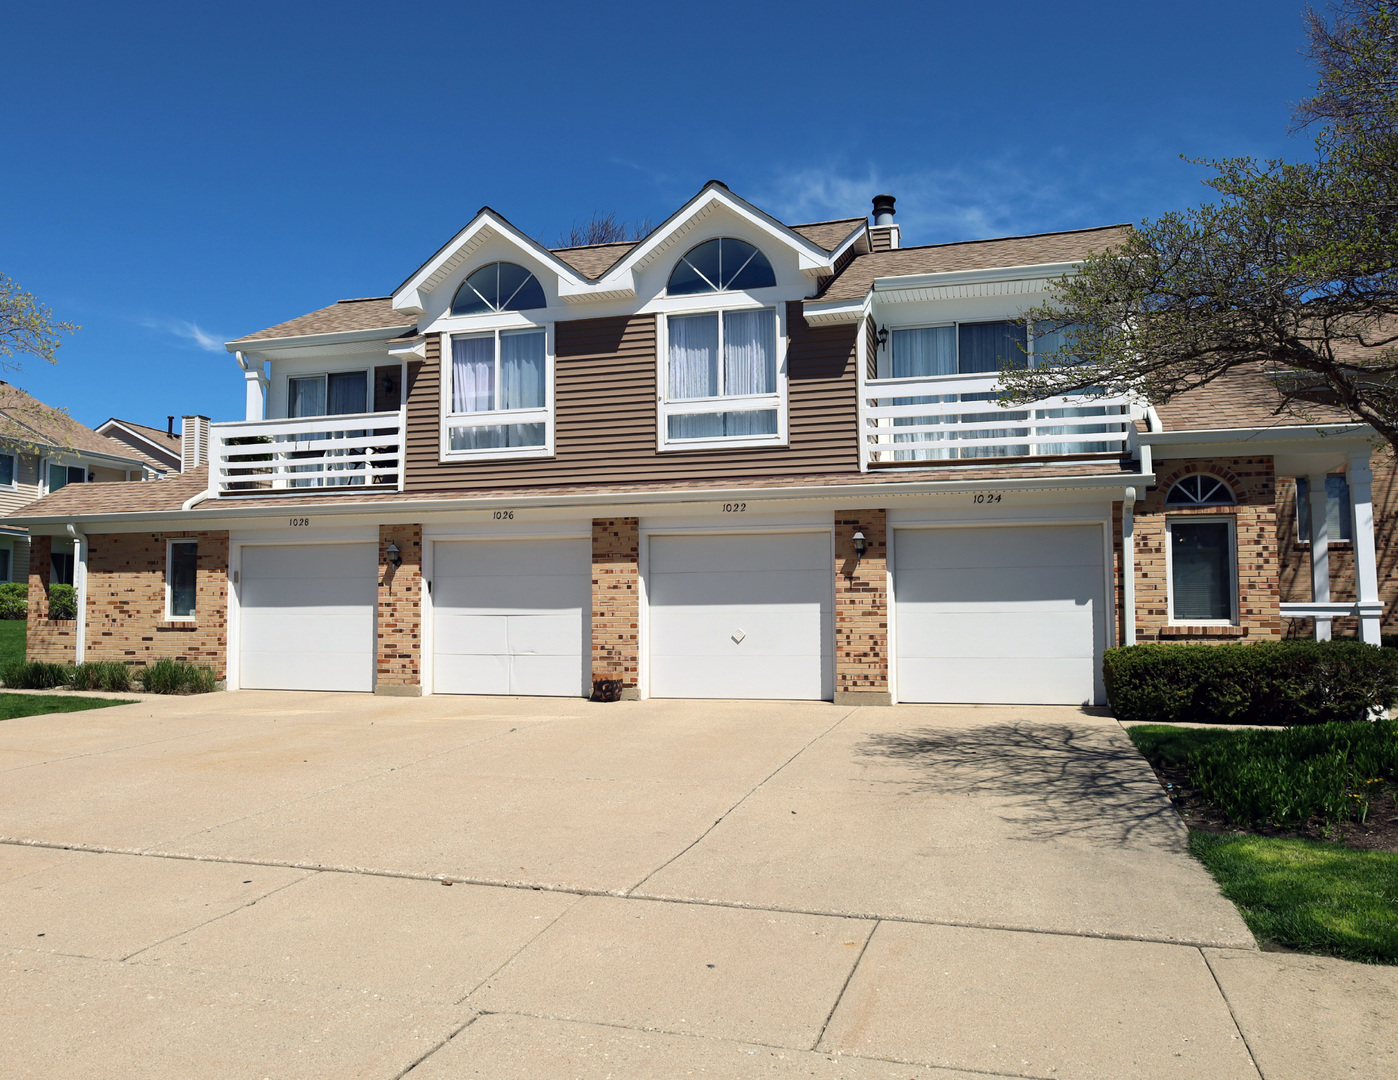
408,297
812,259
62,453
835,311
255,346
213,513
1254,440
970,277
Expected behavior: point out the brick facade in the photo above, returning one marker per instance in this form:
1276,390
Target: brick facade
1258,565
616,602
53,640
399,627
861,608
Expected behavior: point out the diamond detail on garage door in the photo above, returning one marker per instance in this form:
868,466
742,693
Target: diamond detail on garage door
738,636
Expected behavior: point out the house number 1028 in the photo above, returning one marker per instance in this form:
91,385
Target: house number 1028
982,497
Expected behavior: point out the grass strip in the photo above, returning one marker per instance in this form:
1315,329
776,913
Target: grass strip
12,637
13,705
1308,895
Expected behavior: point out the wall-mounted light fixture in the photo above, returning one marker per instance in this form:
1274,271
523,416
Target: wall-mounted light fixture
861,544
883,336
395,557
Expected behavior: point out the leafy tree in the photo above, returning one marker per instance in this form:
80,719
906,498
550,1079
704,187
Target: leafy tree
1294,266
26,327
603,229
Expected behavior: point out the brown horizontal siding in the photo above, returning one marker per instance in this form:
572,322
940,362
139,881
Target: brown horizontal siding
605,388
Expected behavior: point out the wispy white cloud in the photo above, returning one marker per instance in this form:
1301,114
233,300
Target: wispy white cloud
186,331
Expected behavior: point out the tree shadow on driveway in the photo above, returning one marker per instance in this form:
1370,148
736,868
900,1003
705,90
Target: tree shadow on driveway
1049,780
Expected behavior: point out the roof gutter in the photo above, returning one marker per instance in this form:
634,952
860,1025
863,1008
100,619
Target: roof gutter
336,338
878,491
1290,433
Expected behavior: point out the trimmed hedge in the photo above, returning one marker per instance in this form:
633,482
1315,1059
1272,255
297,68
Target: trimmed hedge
14,600
1270,682
63,602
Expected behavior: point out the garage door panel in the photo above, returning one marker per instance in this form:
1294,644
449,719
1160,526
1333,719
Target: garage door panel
738,553
514,593
508,557
551,676
984,634
544,635
744,677
458,634
792,588
306,616
478,673
1060,587
1032,681
968,548
704,632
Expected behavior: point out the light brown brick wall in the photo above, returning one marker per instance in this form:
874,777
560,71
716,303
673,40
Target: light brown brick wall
126,601
46,639
1258,565
861,602
616,598
400,607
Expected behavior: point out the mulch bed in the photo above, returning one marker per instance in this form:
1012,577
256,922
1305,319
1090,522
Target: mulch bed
1379,833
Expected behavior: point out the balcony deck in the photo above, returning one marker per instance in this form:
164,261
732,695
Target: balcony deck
304,455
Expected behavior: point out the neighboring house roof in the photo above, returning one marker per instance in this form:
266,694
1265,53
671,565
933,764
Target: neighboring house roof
158,447
77,500
343,316
27,420
1244,397
857,278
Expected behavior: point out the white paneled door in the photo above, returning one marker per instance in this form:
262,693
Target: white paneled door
512,617
1010,614
741,616
306,619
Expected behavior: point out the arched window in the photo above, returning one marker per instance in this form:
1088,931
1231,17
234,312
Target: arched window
1200,490
499,286
720,265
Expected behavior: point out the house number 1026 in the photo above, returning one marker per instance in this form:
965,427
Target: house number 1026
982,497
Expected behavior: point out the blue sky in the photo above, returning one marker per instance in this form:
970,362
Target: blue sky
177,175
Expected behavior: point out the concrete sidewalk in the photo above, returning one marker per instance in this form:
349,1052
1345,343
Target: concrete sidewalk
253,885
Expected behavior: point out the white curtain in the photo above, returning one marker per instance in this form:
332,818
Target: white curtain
928,350
472,374
749,352
693,356
308,396
522,370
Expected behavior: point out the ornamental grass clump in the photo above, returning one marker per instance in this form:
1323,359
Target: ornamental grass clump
168,676
36,675
1331,772
110,675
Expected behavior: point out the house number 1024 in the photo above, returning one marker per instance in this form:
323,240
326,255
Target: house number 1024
982,497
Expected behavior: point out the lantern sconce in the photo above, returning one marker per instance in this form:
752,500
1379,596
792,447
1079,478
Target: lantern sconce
395,557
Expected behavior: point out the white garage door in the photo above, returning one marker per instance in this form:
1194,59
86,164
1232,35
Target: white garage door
1008,615
741,616
307,617
512,617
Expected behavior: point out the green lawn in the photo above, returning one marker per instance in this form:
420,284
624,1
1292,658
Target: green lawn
1309,895
11,640
12,705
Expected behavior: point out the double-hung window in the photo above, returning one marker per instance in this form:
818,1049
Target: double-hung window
498,395
1202,586
721,379
181,579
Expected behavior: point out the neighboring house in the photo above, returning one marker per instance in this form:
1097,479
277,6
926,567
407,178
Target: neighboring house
734,459
41,451
160,448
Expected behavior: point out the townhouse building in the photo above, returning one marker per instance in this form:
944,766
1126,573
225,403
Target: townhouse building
738,458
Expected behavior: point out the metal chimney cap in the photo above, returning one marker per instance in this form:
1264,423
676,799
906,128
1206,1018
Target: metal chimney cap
883,209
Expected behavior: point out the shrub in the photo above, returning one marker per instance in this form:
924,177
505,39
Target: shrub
1330,771
168,676
35,675
14,600
109,675
63,602
1273,682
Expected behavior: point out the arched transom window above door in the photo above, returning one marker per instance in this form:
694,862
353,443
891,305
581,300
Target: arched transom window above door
721,265
1200,490
498,286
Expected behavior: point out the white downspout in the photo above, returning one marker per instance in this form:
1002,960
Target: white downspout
1128,565
80,590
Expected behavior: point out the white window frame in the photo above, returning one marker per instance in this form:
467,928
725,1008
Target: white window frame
544,415
1231,520
711,304
170,616
324,376
13,485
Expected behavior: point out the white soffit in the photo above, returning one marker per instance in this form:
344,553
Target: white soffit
838,311
964,284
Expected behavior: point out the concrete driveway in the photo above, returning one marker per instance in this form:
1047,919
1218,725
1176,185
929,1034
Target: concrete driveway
255,885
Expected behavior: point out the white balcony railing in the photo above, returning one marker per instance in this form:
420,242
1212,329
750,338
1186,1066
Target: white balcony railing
948,417
307,454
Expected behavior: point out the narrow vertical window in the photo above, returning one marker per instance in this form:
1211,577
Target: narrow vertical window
1201,557
182,578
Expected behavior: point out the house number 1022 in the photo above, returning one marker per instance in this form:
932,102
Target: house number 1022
982,497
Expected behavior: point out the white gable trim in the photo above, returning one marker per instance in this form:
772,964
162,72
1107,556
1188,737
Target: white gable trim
409,297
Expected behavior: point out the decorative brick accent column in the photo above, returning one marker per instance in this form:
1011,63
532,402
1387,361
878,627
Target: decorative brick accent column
399,652
861,609
616,603
1258,562
126,601
53,640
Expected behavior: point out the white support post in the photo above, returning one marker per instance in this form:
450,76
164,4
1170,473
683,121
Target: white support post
1320,551
257,383
1128,566
1366,572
